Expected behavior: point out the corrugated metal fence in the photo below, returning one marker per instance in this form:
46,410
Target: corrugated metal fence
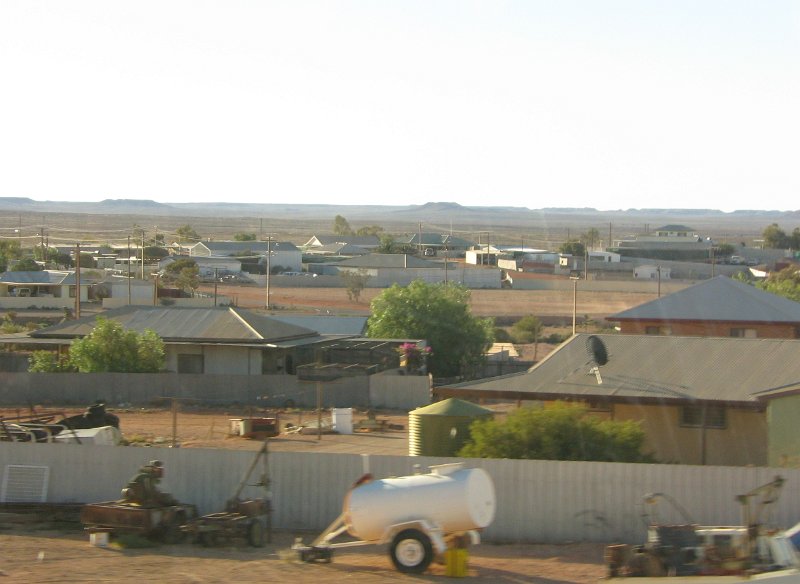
537,501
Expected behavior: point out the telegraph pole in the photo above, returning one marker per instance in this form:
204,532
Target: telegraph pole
77,281
129,270
269,253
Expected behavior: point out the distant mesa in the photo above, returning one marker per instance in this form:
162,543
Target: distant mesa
130,203
17,200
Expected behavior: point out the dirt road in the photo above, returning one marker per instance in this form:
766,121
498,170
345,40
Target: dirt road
64,557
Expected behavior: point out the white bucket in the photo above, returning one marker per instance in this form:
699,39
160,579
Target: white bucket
99,539
342,420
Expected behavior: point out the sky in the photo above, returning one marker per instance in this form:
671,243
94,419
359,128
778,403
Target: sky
559,103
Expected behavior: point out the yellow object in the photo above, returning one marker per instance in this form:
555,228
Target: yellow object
456,562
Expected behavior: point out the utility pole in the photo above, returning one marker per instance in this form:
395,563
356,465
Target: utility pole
269,253
419,243
77,281
216,279
129,270
142,253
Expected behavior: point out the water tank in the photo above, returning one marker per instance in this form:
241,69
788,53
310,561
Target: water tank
441,429
455,499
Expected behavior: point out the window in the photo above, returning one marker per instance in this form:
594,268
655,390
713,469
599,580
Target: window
190,363
692,416
744,333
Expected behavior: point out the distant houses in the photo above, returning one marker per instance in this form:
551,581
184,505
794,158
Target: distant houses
719,307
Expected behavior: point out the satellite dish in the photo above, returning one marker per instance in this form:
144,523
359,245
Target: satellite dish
597,350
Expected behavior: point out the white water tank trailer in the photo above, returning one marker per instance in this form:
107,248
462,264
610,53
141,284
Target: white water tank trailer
419,515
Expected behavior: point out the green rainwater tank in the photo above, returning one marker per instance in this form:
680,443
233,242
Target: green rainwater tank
441,429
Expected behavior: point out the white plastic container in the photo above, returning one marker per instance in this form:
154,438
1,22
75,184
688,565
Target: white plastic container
99,539
453,498
342,420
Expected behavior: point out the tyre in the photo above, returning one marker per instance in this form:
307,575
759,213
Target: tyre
411,551
255,534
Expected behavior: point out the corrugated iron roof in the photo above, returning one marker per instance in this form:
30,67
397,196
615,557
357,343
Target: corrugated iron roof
717,299
224,324
327,325
648,368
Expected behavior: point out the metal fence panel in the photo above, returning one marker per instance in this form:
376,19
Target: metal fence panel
537,501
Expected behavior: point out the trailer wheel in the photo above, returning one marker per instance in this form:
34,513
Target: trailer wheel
255,534
411,551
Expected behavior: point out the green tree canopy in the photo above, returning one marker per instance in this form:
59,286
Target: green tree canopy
244,237
775,237
724,250
341,226
370,230
440,314
111,348
187,233
559,431
152,252
528,329
9,250
785,283
26,265
354,283
573,247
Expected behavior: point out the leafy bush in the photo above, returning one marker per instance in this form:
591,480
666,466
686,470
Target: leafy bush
560,431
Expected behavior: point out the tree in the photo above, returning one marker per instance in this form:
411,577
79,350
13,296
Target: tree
152,252
387,244
590,238
528,329
354,283
560,431
438,313
27,265
183,273
573,247
110,348
48,362
341,226
188,278
186,232
785,283
775,237
244,237
724,250
9,250
370,230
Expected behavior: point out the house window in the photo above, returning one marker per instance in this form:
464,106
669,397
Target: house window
190,363
744,333
599,406
692,416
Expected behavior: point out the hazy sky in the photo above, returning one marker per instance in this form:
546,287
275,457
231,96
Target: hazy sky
606,104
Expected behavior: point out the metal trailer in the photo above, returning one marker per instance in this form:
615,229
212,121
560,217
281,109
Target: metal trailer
419,516
243,520
117,517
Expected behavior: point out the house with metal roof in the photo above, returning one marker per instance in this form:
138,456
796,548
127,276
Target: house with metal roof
233,341
384,270
437,244
719,307
42,289
670,242
281,253
698,399
366,242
